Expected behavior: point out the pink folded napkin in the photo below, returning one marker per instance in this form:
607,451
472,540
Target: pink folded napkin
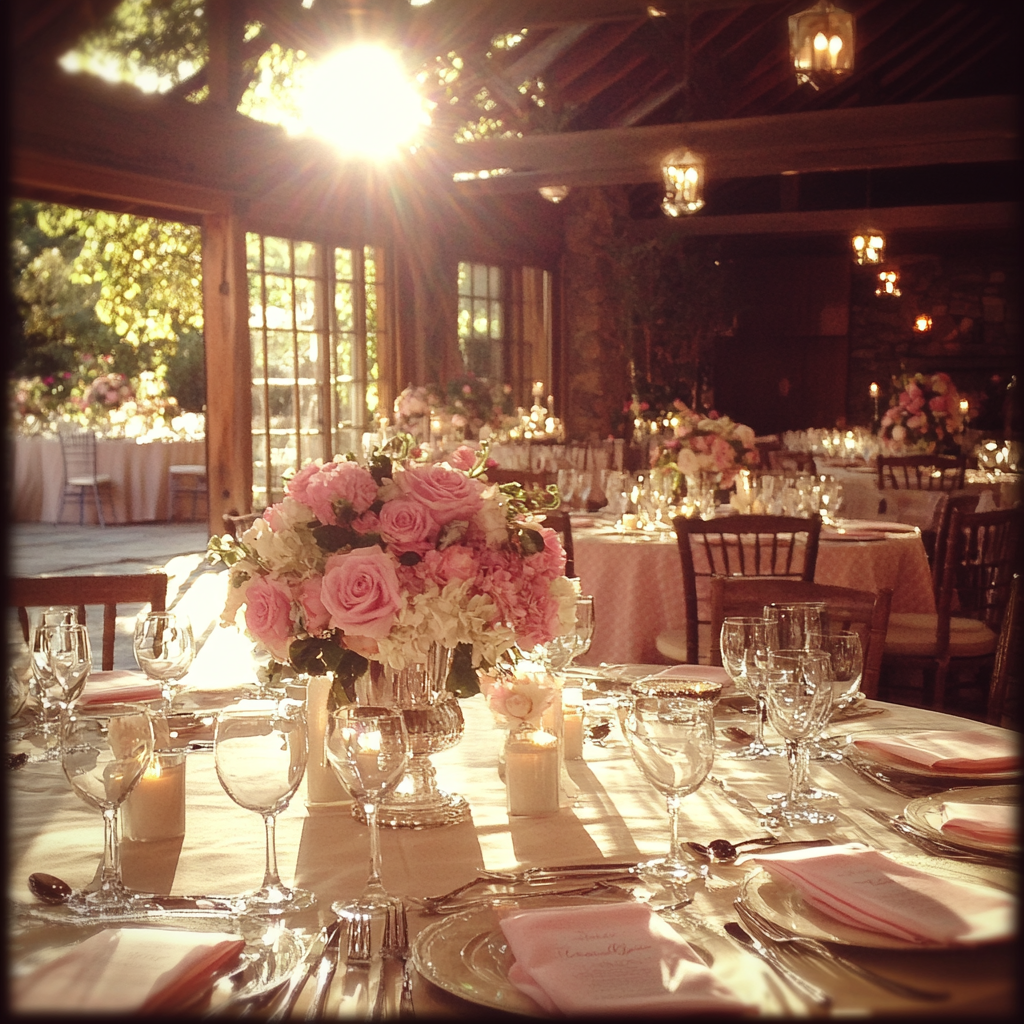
610,959
110,687
859,886
972,750
713,673
126,970
990,823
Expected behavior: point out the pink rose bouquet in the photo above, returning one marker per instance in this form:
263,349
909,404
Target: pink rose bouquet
923,415
381,561
707,444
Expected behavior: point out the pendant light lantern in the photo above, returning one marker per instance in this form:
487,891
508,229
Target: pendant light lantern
683,173
868,248
821,44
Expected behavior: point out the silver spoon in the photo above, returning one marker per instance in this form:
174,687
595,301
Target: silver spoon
721,851
49,888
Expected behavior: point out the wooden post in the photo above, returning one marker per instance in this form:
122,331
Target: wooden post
228,370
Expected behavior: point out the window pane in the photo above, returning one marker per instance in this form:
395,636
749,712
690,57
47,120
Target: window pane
343,264
479,279
305,258
252,251
494,284
277,254
480,318
305,304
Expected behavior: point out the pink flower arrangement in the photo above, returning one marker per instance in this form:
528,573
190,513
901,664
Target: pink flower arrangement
924,413
708,443
381,561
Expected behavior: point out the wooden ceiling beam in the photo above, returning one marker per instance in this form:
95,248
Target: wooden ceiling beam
918,134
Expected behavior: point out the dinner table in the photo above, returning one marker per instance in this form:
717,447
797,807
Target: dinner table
636,579
139,483
609,814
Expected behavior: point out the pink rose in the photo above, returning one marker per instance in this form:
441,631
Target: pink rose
296,487
361,591
407,525
366,523
447,493
462,458
268,614
456,562
549,562
316,615
340,481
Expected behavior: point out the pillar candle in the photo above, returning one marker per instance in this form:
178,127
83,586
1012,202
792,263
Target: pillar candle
155,808
322,783
531,773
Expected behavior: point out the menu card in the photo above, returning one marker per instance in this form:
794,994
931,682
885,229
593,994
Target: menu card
859,886
971,750
989,823
125,970
610,959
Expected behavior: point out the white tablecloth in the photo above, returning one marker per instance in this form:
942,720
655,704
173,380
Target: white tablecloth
637,585
617,815
138,472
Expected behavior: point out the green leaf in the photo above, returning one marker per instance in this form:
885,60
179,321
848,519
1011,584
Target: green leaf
334,538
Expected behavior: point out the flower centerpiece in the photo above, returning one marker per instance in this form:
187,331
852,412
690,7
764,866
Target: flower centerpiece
923,415
412,411
378,563
706,444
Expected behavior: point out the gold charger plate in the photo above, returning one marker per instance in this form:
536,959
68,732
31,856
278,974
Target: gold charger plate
781,903
925,814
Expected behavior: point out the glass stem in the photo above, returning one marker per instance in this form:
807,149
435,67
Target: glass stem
675,852
762,717
271,879
797,755
110,875
373,881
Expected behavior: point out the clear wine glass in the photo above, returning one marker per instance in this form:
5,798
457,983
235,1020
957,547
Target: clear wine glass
43,685
672,742
788,625
69,655
260,751
368,747
566,480
742,639
584,633
164,649
799,703
845,668
104,752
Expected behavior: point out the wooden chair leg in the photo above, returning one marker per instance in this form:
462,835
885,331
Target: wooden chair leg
939,691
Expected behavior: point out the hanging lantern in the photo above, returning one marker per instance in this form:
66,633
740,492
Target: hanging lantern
684,183
821,44
889,283
554,193
922,323
868,247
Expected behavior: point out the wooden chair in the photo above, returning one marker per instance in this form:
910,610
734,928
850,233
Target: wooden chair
1003,707
25,592
236,524
189,480
784,547
559,520
922,472
975,582
862,611
781,460
78,450
940,541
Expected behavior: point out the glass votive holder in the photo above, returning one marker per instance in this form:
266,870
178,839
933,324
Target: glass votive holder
572,723
532,772
155,808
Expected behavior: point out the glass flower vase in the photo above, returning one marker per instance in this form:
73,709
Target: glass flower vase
433,719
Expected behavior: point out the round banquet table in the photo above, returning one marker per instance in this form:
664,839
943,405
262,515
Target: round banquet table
139,486
637,583
616,815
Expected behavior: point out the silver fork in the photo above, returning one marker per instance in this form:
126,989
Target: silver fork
775,933
357,963
388,955
405,1007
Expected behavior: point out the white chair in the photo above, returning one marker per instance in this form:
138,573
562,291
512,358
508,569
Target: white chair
189,480
78,450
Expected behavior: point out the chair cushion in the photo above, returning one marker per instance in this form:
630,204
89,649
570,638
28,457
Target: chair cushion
963,642
919,620
88,481
672,644
187,470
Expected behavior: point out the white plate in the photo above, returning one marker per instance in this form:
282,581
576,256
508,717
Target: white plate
467,955
925,814
879,760
780,902
266,962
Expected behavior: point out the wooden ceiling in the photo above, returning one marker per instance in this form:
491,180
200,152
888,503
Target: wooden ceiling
935,84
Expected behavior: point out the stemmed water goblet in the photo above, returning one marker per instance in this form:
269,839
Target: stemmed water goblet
743,639
260,751
789,625
69,655
799,703
672,741
368,747
164,649
104,752
43,684
845,668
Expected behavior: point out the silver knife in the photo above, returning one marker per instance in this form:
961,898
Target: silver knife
298,980
799,984
325,972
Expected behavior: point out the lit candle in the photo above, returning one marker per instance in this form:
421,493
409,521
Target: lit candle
874,390
572,723
155,808
964,406
322,783
532,773
538,389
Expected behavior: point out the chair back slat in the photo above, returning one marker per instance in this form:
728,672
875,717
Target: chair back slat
747,546
922,472
1007,667
24,592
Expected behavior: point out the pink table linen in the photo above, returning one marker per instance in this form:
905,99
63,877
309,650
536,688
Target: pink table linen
974,750
637,585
